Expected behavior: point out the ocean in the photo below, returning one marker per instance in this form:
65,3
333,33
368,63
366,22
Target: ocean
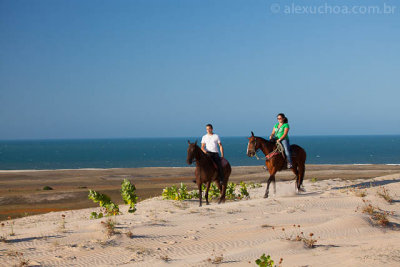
171,152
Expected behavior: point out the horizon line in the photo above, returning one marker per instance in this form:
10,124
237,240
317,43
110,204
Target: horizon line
170,137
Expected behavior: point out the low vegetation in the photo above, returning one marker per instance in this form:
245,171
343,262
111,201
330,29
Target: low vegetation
47,188
296,234
359,192
243,191
378,216
62,224
384,193
129,195
266,261
3,238
216,258
109,207
233,191
109,226
10,224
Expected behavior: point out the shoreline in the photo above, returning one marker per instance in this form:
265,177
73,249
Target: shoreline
192,166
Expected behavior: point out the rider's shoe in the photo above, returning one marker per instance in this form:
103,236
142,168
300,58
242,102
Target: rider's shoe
289,166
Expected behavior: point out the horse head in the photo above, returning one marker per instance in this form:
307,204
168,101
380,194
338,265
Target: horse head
252,146
190,152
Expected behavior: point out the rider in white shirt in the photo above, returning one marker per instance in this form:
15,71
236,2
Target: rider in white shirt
209,144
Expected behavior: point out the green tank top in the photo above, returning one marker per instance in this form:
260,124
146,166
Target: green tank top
279,131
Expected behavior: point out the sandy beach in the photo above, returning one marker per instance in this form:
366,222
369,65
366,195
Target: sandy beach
179,233
22,194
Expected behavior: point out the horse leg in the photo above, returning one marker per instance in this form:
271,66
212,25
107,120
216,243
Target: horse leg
207,188
302,170
274,185
200,193
271,177
223,191
296,172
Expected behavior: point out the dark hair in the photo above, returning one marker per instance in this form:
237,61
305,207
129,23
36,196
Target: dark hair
209,125
285,120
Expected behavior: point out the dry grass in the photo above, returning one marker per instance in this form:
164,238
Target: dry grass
377,215
216,258
360,192
109,226
381,218
62,224
20,258
129,234
165,258
384,193
3,239
295,234
11,224
140,253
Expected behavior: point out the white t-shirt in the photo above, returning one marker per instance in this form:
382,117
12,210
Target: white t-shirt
211,142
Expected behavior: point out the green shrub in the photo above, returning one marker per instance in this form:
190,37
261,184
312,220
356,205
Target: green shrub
230,191
170,193
47,188
104,202
176,193
183,193
254,185
214,191
128,195
95,215
243,191
266,261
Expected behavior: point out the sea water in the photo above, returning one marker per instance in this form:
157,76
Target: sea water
172,152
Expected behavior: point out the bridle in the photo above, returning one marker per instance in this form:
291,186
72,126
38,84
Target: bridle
254,150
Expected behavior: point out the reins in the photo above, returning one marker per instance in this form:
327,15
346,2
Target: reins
279,148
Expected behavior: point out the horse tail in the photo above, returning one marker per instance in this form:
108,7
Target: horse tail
300,159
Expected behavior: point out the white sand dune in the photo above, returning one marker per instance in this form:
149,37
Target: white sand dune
172,233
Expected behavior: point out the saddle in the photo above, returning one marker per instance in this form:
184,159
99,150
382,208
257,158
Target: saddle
224,162
278,149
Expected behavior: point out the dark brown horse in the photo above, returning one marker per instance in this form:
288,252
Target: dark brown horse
278,162
206,171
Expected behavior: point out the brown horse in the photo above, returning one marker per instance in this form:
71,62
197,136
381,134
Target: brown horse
278,162
206,171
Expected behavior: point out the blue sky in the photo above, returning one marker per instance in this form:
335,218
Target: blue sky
104,69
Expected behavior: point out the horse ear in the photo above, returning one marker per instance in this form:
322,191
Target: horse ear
188,142
252,134
195,143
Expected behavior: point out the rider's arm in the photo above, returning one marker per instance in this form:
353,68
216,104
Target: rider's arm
221,149
272,134
203,147
284,134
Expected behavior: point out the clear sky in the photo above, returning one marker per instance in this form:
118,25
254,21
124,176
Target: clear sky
104,69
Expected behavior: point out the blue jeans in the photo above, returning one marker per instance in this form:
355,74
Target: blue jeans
286,146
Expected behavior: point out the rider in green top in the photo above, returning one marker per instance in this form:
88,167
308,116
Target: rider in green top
280,134
280,131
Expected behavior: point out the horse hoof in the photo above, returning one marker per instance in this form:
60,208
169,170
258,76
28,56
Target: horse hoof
208,203
265,196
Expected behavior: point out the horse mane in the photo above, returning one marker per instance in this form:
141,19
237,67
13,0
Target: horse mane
269,145
199,151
